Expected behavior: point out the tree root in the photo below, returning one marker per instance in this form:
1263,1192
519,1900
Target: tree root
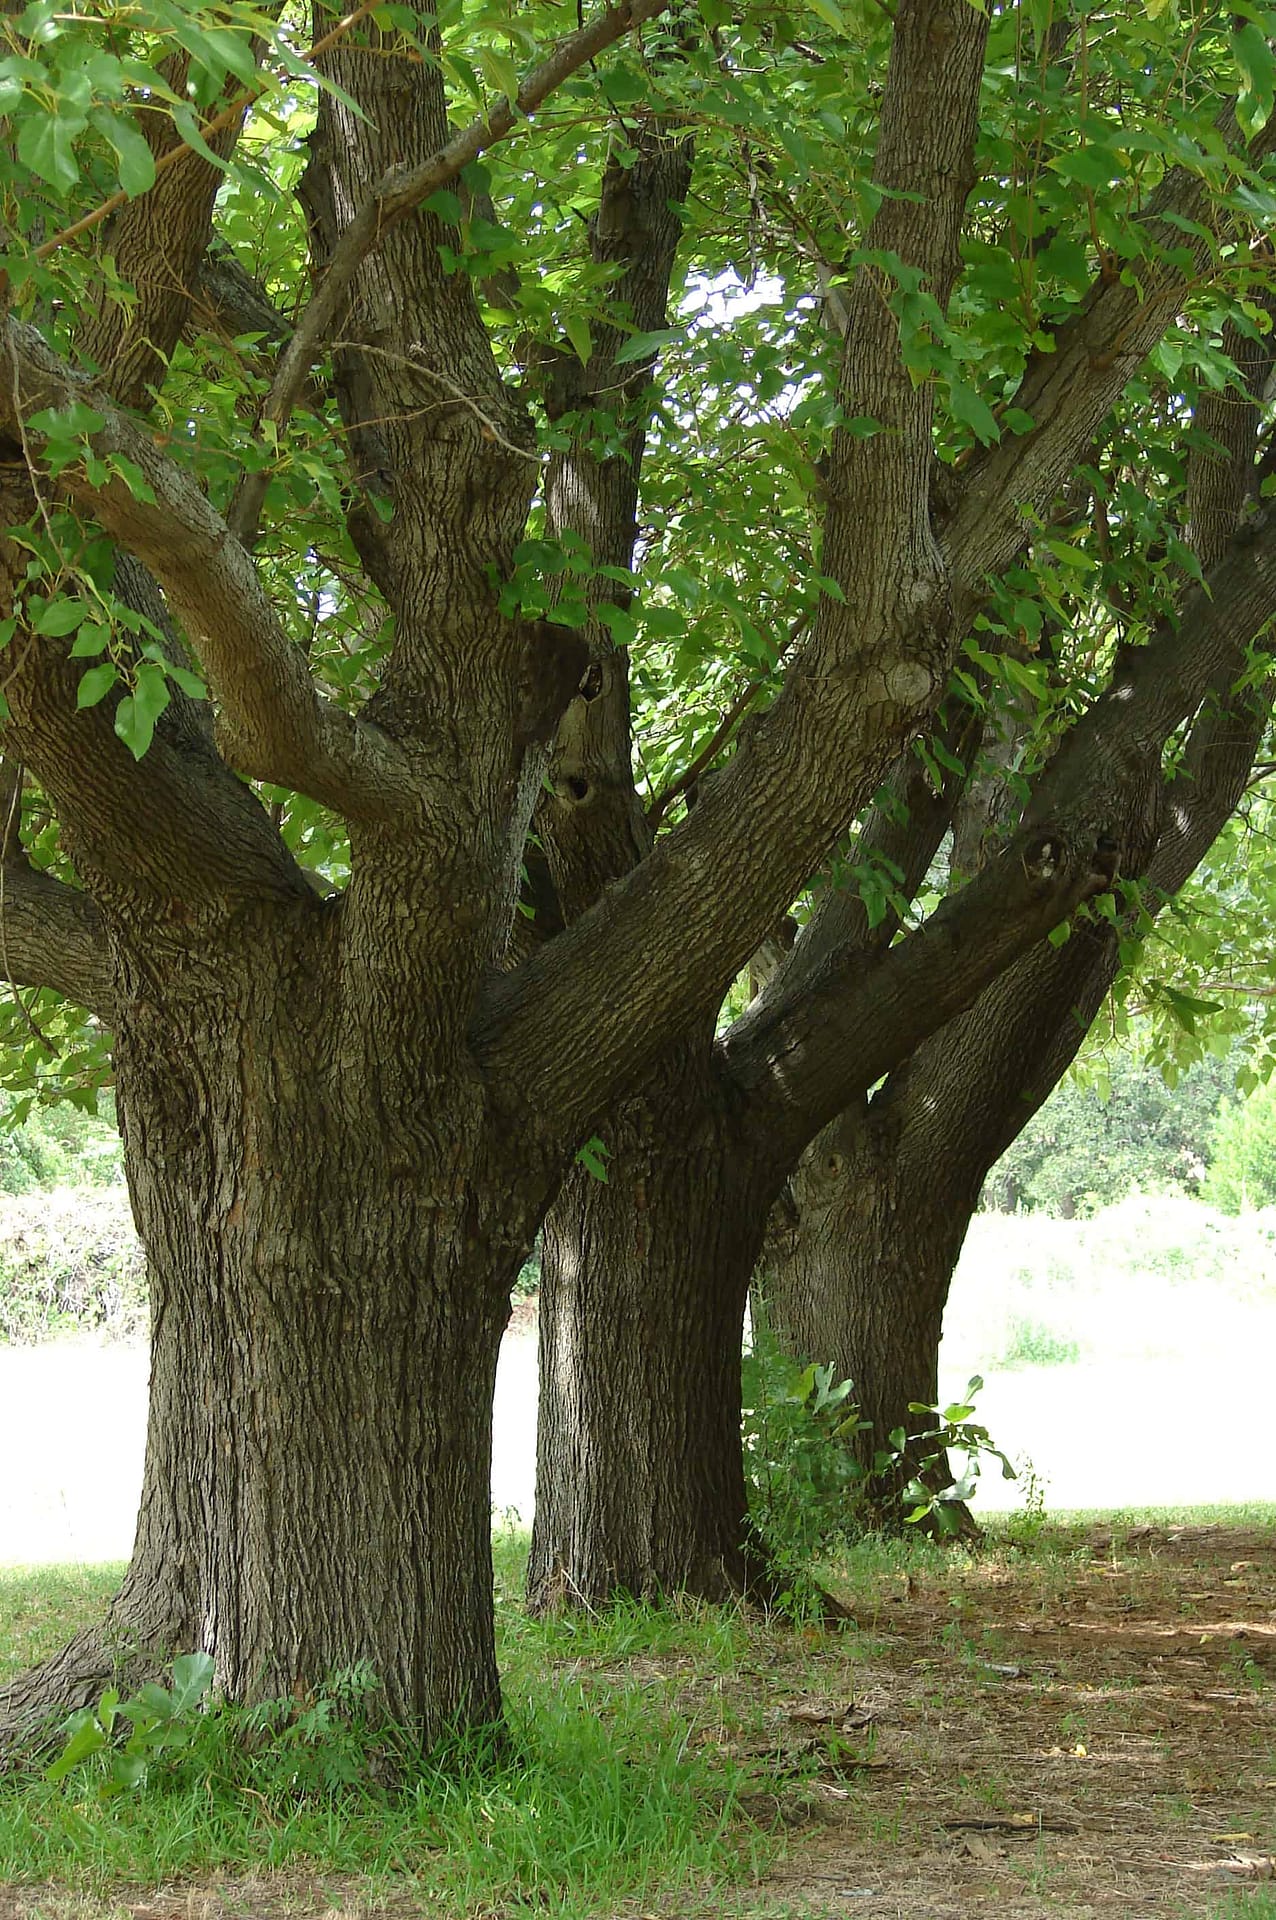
34,1704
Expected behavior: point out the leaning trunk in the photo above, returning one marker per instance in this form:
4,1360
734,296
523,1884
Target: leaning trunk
640,1480
327,1307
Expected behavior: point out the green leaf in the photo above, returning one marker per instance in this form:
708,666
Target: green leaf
96,684
66,423
188,682
87,1738
188,126
59,617
136,161
830,13
46,144
92,639
593,1156
643,346
1258,71
192,1677
128,1771
624,87
1092,166
576,327
137,713
500,72
974,412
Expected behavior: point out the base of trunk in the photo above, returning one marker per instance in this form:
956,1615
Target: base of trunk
134,1643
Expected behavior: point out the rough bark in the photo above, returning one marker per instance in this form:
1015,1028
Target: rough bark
855,1273
640,1482
327,1305
342,1120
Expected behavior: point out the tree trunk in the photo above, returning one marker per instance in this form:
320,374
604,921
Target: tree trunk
856,1273
329,1287
639,1476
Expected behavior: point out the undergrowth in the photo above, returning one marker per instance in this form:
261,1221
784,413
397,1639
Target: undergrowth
598,1795
70,1262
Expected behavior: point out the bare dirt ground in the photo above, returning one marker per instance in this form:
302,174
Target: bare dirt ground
1086,1736
1081,1733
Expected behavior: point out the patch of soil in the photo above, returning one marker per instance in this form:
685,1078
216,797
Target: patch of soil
1087,1735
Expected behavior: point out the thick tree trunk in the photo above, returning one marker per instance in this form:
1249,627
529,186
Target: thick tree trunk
328,1296
856,1272
640,1480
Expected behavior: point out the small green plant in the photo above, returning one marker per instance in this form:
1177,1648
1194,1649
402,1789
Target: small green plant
161,1723
950,1430
1030,1343
810,1486
806,1483
1027,1527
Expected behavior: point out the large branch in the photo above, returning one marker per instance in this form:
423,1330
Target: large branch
968,1092
51,935
274,723
800,1065
589,820
157,241
1069,391
580,1019
1101,799
902,835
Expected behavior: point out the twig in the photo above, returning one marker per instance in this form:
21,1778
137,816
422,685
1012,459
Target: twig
462,398
227,117
401,191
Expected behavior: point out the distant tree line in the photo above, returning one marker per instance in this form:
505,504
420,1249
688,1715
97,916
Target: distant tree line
1091,1144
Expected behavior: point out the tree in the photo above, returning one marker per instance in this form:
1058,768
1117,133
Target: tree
284,668
1090,1146
878,1211
1242,1171
644,1280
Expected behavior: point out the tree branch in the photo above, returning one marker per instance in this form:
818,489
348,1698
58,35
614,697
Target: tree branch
657,952
274,723
589,818
400,191
51,935
803,1063
1069,392
904,830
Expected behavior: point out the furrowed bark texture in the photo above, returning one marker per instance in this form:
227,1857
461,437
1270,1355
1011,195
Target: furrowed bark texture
680,1218
318,1168
327,1305
640,1482
344,1119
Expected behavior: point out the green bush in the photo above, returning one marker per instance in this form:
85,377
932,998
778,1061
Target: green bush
1081,1152
1031,1343
1242,1172
70,1262
57,1145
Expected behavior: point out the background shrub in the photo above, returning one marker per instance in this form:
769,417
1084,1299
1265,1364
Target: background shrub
70,1262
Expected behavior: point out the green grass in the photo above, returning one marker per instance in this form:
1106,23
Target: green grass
602,1797
41,1607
